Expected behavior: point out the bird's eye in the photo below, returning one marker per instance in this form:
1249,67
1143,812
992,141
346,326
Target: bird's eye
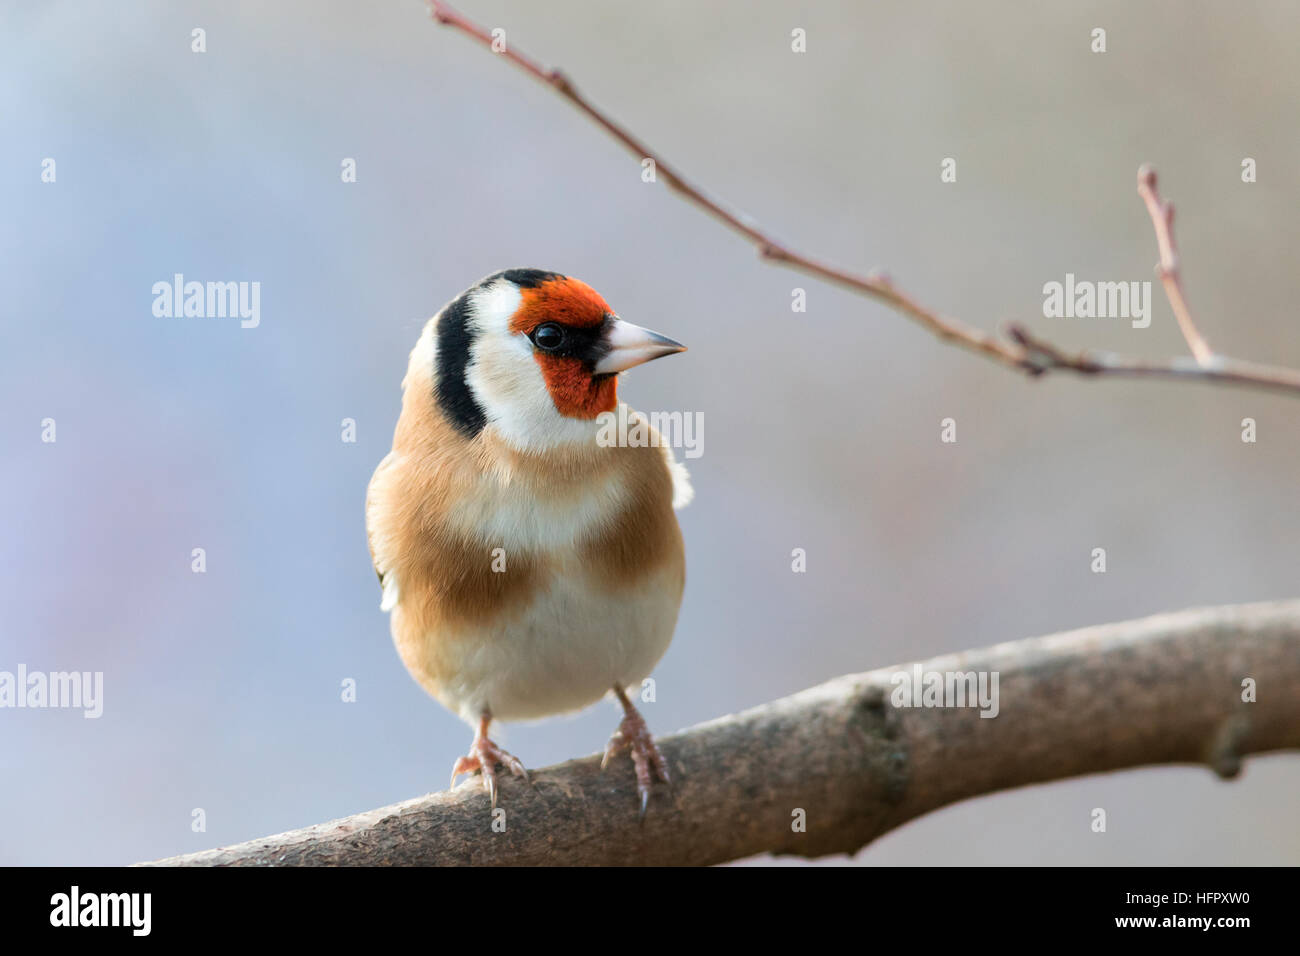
548,337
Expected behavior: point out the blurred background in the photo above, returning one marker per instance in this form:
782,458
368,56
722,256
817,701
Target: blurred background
223,689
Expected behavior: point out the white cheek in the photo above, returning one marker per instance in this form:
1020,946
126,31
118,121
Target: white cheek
509,385
492,307
508,382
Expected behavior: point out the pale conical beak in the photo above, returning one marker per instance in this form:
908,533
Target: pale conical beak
631,345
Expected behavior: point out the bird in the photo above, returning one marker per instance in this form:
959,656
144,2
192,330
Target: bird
531,565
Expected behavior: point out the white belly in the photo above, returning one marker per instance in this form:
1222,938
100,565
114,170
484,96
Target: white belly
579,633
566,650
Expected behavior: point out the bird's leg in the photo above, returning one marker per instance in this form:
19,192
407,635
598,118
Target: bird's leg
484,756
634,735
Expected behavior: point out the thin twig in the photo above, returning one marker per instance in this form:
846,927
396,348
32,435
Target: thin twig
1162,218
877,285
1093,362
1023,352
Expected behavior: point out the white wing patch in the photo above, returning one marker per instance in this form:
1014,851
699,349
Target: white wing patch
392,594
683,493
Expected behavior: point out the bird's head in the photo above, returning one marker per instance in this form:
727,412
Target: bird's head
535,355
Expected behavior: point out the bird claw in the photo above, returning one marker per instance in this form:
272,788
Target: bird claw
484,756
634,736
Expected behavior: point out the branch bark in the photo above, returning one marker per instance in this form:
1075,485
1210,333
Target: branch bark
1163,689
1021,349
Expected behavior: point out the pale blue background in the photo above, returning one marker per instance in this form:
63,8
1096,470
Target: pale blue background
222,690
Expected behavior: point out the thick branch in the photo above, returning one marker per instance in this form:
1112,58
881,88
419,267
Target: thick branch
1164,689
1023,352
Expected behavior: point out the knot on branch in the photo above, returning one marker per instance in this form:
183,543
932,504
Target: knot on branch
1225,752
556,77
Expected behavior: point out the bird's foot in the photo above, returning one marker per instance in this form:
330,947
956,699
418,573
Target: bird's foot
633,735
484,756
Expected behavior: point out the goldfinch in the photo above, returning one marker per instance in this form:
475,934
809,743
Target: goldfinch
530,566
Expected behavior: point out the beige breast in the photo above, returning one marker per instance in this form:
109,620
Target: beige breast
527,584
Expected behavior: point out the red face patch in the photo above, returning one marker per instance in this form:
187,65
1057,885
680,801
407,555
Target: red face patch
567,301
577,393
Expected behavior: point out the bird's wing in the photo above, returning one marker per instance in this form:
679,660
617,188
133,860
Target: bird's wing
378,557
682,490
